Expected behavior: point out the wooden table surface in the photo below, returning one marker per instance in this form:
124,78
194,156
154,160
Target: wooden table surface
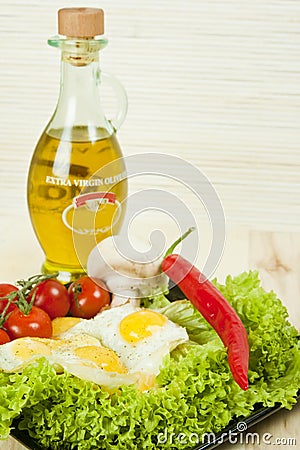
275,254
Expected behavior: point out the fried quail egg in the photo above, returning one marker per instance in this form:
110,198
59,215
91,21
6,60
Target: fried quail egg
140,337
16,354
82,356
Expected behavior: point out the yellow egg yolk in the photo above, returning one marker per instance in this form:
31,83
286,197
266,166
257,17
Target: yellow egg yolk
146,382
137,326
25,349
62,324
105,358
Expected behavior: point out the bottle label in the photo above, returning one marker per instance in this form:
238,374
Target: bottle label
87,206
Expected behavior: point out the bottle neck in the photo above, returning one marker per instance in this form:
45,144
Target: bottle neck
79,109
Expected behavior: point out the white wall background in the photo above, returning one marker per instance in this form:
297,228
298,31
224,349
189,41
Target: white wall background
216,82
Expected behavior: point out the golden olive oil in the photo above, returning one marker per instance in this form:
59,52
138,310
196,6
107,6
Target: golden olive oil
76,195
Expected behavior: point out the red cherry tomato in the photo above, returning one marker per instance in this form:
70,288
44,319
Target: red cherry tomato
6,289
4,338
35,324
88,296
52,297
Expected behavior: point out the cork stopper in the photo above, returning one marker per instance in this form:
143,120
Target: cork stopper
80,22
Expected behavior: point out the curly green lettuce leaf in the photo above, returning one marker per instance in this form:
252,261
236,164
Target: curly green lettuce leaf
20,390
155,302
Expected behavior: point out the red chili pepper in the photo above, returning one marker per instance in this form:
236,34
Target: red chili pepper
216,310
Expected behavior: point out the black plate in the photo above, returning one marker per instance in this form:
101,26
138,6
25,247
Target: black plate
233,429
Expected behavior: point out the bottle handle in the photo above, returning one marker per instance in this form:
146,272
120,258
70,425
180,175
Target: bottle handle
122,100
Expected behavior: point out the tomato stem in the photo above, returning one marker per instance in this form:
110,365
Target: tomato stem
77,289
26,287
4,315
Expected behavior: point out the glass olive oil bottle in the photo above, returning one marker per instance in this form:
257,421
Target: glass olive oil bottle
77,184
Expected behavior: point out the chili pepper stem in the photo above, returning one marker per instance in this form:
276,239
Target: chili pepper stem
177,242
